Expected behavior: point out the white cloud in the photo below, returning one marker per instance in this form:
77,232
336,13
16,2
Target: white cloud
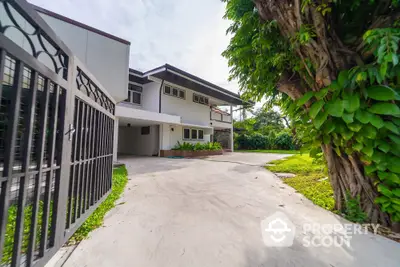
187,34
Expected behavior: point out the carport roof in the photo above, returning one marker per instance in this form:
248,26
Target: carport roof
177,76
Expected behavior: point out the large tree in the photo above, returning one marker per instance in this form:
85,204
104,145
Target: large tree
333,67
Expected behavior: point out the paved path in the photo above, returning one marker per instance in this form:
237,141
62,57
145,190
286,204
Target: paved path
206,213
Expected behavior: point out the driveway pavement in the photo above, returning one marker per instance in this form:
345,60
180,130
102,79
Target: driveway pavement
206,213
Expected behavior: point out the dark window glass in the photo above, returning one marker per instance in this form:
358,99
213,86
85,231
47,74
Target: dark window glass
196,98
136,98
145,130
186,133
167,90
201,134
182,94
194,134
206,100
201,100
135,88
174,92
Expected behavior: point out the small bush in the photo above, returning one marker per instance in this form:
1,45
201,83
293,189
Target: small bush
258,141
198,146
353,211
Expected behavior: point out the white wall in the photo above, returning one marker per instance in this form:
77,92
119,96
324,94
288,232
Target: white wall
130,141
151,96
106,58
192,113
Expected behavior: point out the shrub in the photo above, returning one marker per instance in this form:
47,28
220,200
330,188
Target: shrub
198,146
256,141
284,141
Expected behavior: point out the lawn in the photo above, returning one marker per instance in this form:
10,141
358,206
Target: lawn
271,151
309,180
95,220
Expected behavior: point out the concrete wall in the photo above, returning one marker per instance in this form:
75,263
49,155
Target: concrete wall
130,141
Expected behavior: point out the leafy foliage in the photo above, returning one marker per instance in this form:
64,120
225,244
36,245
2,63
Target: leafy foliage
353,211
198,146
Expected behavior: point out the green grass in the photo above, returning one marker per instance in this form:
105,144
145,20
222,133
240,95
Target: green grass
271,151
308,179
95,220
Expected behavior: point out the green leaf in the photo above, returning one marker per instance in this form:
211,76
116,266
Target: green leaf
383,69
320,119
385,147
377,121
370,169
395,138
391,127
384,190
395,59
396,192
305,98
382,93
343,78
396,121
329,127
378,157
316,108
382,199
326,139
352,103
355,126
394,167
322,93
348,117
347,135
369,131
358,146
368,150
363,116
335,108
385,109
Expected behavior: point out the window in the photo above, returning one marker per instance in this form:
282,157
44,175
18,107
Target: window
167,90
134,94
200,99
194,134
145,130
186,133
175,92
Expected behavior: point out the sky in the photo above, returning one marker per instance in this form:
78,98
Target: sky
187,34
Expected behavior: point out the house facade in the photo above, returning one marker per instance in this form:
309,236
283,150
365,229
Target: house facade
167,105
156,109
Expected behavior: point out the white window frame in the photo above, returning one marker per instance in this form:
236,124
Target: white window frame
199,97
172,87
190,134
131,92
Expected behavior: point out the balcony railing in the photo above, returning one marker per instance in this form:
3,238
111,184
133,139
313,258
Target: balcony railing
220,116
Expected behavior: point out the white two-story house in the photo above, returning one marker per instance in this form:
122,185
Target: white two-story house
158,108
167,105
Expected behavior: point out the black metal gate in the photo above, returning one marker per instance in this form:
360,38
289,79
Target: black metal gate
56,139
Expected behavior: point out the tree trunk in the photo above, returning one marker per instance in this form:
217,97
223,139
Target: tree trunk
347,179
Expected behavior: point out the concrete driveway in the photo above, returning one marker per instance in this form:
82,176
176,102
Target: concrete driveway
205,213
